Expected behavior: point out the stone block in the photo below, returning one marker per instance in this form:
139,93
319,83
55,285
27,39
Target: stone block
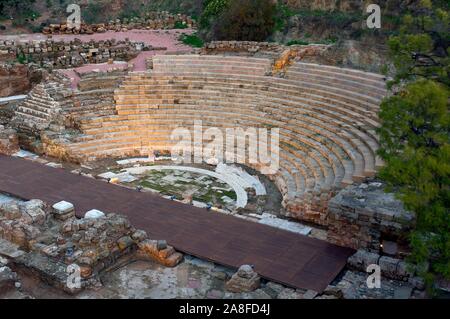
63,208
244,280
125,242
94,214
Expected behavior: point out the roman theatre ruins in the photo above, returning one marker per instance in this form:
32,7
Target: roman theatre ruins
327,117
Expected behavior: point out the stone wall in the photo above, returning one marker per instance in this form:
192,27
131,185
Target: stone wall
152,21
60,54
391,268
280,53
361,216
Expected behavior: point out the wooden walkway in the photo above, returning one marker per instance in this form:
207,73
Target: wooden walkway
281,256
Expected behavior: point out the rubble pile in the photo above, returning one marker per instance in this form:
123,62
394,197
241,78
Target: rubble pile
151,21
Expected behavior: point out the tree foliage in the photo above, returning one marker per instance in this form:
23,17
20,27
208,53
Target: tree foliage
415,134
251,20
421,49
15,8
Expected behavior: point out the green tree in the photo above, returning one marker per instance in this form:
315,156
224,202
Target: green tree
251,20
421,49
16,8
415,133
212,9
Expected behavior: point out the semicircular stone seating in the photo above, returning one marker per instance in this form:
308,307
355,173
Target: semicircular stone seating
327,118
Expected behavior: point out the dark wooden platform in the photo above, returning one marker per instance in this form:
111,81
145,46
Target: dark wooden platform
281,256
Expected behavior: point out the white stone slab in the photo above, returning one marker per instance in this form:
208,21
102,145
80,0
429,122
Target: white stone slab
107,175
23,153
136,160
126,177
199,204
242,177
63,207
5,199
54,165
12,98
94,213
271,220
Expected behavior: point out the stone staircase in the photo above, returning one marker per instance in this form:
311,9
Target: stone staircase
42,106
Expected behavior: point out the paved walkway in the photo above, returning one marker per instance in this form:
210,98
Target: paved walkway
281,256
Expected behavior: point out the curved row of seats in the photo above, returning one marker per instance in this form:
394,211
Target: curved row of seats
327,118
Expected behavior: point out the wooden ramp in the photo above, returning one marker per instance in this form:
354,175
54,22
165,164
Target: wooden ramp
277,255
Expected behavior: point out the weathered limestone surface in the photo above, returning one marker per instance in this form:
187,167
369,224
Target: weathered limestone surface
9,142
244,280
360,215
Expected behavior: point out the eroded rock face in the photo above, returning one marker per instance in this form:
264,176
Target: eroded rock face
9,141
244,280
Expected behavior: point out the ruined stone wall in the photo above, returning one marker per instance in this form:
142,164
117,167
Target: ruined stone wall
60,54
152,21
14,79
49,239
280,53
361,216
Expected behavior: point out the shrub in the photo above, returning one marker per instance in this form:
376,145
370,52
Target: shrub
92,13
180,25
192,40
212,9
